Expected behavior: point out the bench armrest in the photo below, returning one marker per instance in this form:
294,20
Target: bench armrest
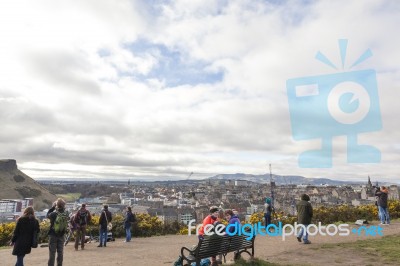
183,252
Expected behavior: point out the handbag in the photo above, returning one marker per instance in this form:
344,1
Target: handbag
35,239
109,226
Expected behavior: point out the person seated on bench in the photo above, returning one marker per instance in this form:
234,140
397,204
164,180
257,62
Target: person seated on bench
232,218
212,218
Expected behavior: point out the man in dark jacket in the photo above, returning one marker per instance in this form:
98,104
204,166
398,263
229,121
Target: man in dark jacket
56,238
304,215
130,218
382,198
82,219
105,218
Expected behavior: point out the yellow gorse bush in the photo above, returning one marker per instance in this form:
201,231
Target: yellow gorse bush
6,232
150,225
335,214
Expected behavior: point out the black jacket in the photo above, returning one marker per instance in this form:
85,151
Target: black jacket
103,221
304,212
23,234
382,198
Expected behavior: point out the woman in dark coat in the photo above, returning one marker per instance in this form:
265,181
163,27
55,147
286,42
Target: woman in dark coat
26,226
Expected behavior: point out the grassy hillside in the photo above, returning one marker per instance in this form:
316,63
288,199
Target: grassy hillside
14,184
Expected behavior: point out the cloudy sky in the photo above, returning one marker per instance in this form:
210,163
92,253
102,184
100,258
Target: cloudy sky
159,89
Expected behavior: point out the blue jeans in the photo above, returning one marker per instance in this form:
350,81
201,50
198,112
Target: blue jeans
302,233
103,236
20,260
128,234
384,215
56,244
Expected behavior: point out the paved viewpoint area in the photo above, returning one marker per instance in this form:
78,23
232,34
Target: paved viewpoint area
164,250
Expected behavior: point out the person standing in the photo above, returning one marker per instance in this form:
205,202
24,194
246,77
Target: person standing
58,226
130,218
27,225
82,219
304,216
267,211
382,202
105,218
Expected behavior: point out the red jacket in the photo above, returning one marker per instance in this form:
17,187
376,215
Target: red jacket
207,220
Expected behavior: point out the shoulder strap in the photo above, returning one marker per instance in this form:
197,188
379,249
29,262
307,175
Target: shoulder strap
105,215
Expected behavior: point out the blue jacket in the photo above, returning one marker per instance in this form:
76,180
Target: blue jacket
234,220
129,219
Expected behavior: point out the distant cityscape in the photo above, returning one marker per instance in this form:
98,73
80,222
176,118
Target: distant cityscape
184,200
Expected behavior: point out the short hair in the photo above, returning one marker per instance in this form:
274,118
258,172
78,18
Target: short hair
83,205
229,212
129,208
60,203
105,206
305,197
214,209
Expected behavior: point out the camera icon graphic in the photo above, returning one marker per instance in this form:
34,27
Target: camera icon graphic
325,106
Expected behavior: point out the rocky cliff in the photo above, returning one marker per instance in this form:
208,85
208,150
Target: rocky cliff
14,184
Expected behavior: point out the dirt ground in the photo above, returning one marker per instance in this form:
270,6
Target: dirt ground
163,250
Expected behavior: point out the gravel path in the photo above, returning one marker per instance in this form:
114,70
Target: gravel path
163,250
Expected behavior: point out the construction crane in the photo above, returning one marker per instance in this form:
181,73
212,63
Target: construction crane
191,173
272,184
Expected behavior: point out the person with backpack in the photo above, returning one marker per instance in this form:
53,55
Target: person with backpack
82,219
105,219
130,218
58,227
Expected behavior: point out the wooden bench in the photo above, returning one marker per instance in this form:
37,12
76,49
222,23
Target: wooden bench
216,245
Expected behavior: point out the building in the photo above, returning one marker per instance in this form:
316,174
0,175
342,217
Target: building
15,205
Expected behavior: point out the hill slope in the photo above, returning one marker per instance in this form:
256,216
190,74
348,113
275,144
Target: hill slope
14,184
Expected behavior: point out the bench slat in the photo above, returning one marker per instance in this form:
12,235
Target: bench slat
215,245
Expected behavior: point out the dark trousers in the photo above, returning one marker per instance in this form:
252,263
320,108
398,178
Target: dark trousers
80,236
20,260
56,244
267,217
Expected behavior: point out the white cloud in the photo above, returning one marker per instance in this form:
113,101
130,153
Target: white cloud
141,89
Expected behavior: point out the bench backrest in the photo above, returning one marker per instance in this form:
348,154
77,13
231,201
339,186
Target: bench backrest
215,245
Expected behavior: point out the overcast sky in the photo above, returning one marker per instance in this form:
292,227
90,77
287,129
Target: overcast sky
160,89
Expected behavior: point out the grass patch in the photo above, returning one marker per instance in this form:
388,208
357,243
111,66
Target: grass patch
386,248
69,196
